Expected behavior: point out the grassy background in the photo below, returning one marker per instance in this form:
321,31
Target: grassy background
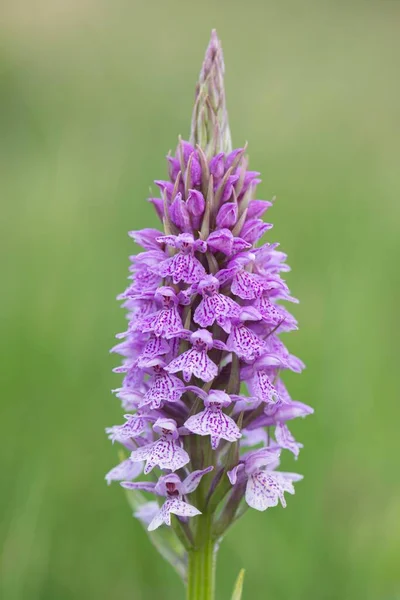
93,95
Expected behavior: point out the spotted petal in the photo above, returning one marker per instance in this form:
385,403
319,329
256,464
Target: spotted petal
247,285
194,362
215,308
156,346
245,343
215,423
182,267
165,322
134,426
163,388
174,506
261,387
263,490
164,453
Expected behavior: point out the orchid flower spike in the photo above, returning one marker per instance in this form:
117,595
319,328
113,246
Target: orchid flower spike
203,363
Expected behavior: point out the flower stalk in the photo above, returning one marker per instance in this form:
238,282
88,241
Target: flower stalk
205,313
202,562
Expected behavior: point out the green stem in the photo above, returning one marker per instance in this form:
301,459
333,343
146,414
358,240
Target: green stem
201,562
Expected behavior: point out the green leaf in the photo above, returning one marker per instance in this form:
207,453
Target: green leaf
237,591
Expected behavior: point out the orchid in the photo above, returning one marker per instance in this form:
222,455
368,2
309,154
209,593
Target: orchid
212,421
203,363
166,452
264,487
174,489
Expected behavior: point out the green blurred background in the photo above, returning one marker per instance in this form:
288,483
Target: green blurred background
93,95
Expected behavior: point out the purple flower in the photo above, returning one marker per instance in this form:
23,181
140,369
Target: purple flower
173,489
212,421
214,306
146,238
277,347
134,426
245,285
154,347
274,314
162,387
259,378
166,321
242,340
254,229
196,361
184,266
264,487
217,166
285,411
165,452
196,205
179,213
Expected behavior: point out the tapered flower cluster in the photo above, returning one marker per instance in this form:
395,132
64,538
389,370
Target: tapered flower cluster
202,358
